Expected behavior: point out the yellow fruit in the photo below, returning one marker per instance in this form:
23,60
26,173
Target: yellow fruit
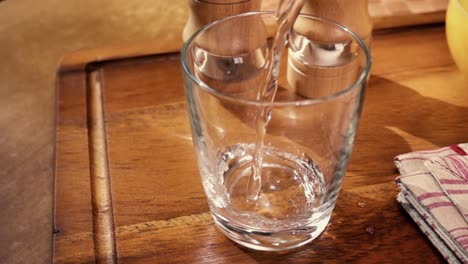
457,32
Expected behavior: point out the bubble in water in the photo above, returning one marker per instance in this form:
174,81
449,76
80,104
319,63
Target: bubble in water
275,185
268,115
276,61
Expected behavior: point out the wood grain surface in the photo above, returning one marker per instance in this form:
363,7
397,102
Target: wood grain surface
416,100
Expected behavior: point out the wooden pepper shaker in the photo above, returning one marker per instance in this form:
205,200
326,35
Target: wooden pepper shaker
328,73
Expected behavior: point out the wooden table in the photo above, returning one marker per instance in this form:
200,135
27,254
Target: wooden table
123,145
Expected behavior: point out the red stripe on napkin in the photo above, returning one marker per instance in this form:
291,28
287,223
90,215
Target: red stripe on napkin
458,150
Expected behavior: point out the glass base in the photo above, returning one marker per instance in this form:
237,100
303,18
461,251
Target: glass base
273,240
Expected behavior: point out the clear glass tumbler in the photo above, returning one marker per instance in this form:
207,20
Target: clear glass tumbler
273,191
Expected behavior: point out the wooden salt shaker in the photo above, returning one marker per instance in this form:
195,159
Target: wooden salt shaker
236,40
322,79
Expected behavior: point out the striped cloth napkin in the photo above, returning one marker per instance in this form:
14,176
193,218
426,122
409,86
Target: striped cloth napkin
434,191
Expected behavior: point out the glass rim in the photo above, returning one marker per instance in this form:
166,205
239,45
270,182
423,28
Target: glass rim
220,94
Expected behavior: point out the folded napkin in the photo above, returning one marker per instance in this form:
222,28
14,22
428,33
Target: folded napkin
434,192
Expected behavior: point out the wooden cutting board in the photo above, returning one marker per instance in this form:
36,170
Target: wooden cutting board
127,184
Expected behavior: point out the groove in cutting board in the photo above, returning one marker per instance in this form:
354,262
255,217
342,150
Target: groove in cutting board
103,218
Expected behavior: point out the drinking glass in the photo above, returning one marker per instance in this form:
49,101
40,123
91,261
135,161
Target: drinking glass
457,32
297,145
